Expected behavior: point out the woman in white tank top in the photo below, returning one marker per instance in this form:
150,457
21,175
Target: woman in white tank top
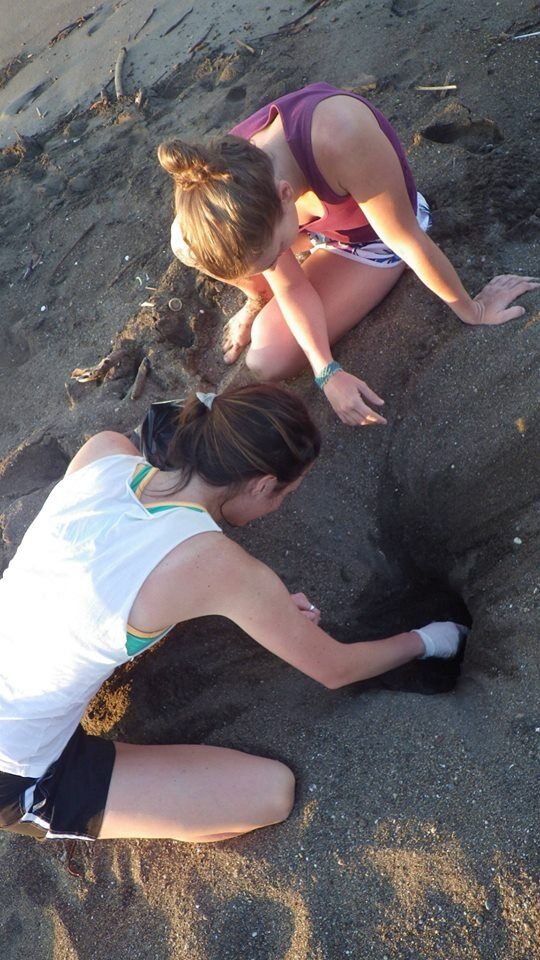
119,553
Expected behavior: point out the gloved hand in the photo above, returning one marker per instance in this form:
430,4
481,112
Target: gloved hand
441,639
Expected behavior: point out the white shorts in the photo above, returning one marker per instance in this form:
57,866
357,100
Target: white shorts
374,253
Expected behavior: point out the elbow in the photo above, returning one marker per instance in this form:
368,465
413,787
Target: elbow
334,675
333,683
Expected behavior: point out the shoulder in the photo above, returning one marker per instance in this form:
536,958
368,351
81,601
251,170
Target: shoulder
218,578
341,120
104,444
219,560
348,143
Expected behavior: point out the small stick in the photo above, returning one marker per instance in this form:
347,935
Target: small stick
118,73
246,46
178,22
524,36
71,249
196,46
291,23
447,79
148,19
140,379
29,269
442,86
62,34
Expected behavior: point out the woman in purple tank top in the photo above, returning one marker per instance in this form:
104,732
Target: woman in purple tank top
317,169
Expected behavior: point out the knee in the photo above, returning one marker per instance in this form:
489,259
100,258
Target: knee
279,794
269,365
263,365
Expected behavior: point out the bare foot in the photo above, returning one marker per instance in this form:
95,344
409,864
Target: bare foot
237,331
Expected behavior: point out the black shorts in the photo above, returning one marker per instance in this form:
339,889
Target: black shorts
68,801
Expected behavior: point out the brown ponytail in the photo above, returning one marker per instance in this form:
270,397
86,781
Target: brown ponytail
255,430
189,166
226,202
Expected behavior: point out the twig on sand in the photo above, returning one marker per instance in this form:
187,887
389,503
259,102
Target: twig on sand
118,73
525,36
140,379
142,26
245,46
293,26
35,261
441,86
63,259
306,13
447,80
65,32
200,43
178,22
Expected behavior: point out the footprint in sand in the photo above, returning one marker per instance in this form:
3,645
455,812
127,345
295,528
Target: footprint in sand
404,8
476,136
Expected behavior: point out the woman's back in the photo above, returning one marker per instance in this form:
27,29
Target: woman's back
66,600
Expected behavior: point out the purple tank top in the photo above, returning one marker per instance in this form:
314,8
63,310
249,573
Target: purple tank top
342,218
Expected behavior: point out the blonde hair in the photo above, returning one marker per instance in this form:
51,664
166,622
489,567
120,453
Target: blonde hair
226,202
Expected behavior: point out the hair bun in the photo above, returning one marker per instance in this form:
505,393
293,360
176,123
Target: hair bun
189,166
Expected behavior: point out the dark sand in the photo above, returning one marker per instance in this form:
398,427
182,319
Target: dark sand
415,832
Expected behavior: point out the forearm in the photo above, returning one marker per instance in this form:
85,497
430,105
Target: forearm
304,315
360,661
434,269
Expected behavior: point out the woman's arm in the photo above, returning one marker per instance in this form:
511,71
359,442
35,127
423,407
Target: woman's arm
233,584
366,166
303,311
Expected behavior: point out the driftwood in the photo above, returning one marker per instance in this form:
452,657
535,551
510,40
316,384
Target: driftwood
142,26
65,32
118,73
178,22
140,379
306,13
199,44
441,86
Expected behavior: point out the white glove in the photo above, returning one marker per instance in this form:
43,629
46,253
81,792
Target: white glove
441,639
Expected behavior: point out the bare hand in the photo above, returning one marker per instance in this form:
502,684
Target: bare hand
345,393
308,609
493,302
237,330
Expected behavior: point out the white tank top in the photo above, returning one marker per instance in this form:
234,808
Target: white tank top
65,600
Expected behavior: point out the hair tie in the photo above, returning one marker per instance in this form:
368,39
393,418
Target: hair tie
206,398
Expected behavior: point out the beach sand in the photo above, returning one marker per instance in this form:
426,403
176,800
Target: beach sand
415,830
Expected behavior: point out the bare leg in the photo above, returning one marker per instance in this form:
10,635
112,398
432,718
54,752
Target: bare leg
193,793
348,290
237,331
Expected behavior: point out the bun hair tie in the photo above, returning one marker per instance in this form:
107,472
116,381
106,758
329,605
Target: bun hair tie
206,398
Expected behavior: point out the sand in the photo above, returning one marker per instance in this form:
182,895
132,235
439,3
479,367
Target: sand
414,833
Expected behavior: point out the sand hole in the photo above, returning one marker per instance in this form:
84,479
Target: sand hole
476,136
31,467
235,94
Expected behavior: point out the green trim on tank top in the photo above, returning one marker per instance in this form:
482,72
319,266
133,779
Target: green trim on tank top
136,644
